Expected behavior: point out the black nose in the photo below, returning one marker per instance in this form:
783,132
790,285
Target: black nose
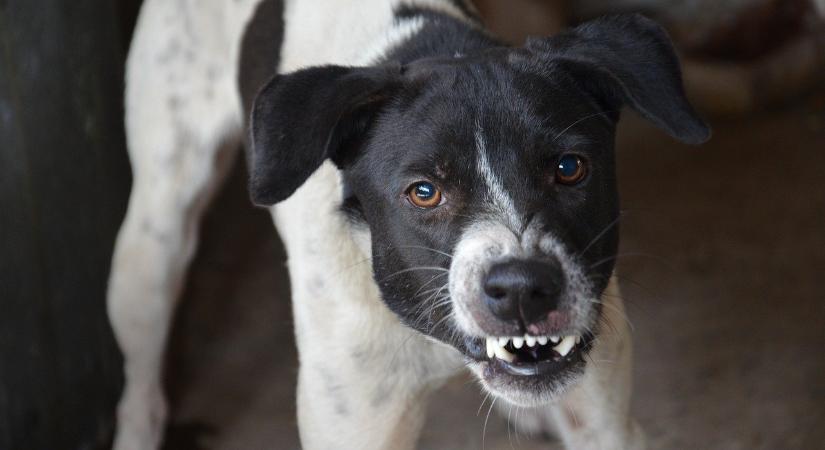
524,290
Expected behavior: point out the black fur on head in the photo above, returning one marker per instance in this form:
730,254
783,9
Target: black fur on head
300,119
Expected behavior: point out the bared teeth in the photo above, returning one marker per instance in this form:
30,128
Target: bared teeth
496,345
565,345
502,353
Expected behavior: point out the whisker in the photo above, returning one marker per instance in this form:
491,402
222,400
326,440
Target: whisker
398,351
625,255
352,266
509,437
411,269
589,116
624,279
573,415
426,248
600,235
446,317
430,291
484,400
484,431
427,283
425,309
611,325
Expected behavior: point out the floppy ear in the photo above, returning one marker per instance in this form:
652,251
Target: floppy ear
628,59
301,119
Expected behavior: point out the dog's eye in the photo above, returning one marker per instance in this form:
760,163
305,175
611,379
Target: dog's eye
424,194
571,169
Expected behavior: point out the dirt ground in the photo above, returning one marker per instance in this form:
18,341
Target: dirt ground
724,260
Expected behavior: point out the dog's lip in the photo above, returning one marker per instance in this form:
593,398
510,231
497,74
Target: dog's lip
540,368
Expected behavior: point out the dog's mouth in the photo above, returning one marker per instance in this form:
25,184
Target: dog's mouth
529,358
535,355
529,370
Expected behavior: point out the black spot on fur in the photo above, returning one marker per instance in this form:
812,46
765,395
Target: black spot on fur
335,391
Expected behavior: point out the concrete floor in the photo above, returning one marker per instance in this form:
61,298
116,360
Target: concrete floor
724,263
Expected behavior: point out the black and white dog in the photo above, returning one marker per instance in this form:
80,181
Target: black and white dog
446,201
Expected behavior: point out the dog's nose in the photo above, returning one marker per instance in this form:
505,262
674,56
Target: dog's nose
523,290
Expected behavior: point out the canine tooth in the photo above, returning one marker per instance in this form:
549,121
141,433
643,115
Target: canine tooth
542,340
502,341
578,340
501,353
566,344
530,340
491,346
518,342
554,339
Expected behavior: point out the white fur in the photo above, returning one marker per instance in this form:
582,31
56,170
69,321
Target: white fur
498,195
364,377
478,248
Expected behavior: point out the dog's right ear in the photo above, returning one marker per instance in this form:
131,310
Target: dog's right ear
301,119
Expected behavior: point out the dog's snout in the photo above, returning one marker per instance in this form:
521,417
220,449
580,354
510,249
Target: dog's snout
523,290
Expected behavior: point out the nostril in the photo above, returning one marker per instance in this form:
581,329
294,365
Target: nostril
545,290
495,292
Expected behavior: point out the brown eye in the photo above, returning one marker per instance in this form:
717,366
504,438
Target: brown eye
424,195
570,170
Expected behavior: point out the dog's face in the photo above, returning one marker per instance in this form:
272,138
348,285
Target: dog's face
487,185
493,221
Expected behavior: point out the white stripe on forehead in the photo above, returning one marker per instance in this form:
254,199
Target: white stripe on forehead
498,196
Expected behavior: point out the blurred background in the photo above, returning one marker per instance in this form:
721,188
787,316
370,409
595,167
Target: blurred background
722,266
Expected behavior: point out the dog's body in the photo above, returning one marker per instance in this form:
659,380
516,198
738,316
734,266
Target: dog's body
365,374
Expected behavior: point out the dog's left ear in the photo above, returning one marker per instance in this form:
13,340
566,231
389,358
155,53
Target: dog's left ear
301,119
627,59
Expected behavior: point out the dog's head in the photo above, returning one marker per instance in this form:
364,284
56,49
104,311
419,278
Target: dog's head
487,183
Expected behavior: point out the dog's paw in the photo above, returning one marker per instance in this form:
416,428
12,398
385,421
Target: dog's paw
141,418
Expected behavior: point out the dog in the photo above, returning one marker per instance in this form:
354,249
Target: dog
446,202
